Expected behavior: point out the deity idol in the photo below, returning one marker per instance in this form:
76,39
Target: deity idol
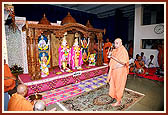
92,61
42,45
64,55
44,65
76,56
85,52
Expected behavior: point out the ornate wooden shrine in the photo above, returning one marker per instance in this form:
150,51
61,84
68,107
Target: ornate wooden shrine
54,33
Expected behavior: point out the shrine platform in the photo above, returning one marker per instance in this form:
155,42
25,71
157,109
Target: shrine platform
57,79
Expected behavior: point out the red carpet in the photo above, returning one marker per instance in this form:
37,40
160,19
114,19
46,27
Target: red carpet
150,75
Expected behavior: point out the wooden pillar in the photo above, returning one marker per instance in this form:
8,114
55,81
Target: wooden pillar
99,56
32,56
29,42
50,51
91,44
28,55
37,64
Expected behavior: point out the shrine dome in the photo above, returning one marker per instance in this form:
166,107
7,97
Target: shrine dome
44,20
68,19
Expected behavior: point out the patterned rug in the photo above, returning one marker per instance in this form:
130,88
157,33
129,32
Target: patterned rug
98,100
63,93
89,95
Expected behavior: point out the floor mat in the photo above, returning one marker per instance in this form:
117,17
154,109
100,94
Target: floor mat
89,95
99,100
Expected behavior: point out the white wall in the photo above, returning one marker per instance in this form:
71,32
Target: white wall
143,32
16,45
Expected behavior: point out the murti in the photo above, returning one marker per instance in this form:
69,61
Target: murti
92,61
85,53
44,65
76,56
44,62
64,53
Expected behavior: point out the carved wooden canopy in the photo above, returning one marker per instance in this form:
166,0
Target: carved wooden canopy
35,29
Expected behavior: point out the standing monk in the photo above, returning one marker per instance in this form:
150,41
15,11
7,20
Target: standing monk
119,69
9,84
9,79
107,45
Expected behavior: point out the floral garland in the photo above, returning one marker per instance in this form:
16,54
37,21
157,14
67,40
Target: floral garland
78,53
63,46
87,57
46,47
84,46
66,54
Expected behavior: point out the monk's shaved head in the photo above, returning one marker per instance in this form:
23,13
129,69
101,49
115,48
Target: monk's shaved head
39,106
22,89
118,42
118,39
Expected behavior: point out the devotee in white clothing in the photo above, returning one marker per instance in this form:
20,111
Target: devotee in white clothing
151,63
131,61
143,57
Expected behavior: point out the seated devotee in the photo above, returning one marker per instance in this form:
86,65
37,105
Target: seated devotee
18,101
136,58
139,65
9,84
143,57
107,45
151,63
39,106
131,64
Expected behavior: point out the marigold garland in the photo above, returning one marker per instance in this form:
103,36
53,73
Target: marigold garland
66,51
84,46
87,57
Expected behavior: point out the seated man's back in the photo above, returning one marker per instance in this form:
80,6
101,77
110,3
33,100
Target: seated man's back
18,102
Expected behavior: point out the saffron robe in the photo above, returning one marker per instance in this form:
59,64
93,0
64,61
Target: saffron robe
130,52
106,45
9,84
118,76
139,65
19,103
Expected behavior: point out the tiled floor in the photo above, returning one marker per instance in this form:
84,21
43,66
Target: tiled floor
153,90
154,94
